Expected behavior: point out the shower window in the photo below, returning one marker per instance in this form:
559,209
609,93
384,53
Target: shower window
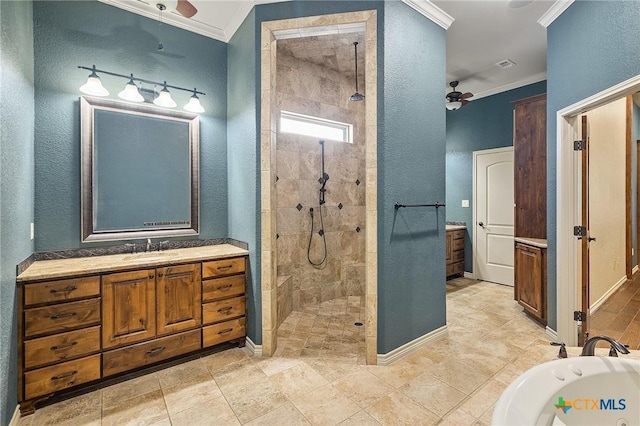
321,128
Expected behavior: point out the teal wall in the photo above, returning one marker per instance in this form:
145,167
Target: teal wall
242,160
411,169
68,34
16,181
592,46
482,124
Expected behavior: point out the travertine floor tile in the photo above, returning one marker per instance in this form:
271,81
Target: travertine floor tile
286,414
438,397
197,390
299,379
214,412
363,387
361,419
325,406
254,399
398,409
146,409
117,394
83,409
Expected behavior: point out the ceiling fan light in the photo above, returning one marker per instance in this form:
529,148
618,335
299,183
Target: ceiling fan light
94,86
130,92
453,105
194,104
164,99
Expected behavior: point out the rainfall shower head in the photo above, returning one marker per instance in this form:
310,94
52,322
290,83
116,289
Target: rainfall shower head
356,97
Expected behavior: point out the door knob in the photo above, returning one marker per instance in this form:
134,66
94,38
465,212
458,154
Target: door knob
591,239
481,224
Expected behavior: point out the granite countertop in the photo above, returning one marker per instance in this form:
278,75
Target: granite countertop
58,268
536,242
455,227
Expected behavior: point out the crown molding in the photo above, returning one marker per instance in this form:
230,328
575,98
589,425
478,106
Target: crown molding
431,11
524,82
554,11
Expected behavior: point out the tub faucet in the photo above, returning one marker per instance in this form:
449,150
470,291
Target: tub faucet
148,244
590,346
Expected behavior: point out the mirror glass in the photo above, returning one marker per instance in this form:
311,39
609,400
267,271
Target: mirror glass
139,171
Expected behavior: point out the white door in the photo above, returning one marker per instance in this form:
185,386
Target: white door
493,215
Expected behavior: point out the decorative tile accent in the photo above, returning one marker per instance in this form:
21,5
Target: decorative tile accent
357,181
277,236
320,181
340,206
299,207
358,229
321,232
277,178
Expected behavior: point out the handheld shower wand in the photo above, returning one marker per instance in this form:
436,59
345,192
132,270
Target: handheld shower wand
321,200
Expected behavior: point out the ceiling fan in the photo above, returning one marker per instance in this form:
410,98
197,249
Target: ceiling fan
183,7
456,99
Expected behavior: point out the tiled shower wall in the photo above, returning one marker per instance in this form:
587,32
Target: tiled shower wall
308,88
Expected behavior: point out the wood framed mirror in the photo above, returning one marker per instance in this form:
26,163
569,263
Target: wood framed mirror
140,171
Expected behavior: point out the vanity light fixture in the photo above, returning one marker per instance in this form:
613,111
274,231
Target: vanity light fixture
164,99
131,91
194,103
93,86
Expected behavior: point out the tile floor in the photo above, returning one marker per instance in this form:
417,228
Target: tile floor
455,380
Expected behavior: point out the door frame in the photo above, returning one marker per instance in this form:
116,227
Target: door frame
568,212
474,275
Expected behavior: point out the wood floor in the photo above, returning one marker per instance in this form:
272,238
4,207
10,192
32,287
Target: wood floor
619,316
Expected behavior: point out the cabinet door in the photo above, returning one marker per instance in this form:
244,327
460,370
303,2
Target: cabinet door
178,296
528,276
449,257
128,307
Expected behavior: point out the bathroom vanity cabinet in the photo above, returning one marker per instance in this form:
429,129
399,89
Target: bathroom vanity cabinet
530,283
82,321
455,251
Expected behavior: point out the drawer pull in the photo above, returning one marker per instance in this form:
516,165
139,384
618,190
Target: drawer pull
63,316
65,376
224,268
156,351
225,331
224,287
225,310
65,346
67,289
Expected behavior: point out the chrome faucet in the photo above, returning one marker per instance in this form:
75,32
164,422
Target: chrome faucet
148,244
590,346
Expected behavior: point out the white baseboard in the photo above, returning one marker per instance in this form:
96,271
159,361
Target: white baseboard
256,350
15,420
407,348
470,275
634,270
551,334
598,303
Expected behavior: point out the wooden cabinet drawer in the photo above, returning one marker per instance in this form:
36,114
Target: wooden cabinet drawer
63,316
47,350
458,244
141,354
61,290
223,332
458,234
221,288
218,268
61,376
223,309
458,256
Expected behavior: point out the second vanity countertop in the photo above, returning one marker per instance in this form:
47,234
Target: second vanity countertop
455,227
536,242
58,268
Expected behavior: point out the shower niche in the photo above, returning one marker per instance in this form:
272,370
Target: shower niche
320,186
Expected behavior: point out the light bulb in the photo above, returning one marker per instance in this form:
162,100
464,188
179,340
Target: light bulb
452,106
194,104
164,99
94,86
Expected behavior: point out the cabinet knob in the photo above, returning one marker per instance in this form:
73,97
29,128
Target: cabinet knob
160,275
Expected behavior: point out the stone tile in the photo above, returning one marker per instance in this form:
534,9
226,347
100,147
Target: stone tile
363,387
181,373
484,398
286,414
297,380
325,406
431,393
458,418
187,394
398,409
238,375
117,394
465,378
250,400
146,409
83,409
213,412
360,419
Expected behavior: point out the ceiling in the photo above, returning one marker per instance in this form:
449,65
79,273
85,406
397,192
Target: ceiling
483,33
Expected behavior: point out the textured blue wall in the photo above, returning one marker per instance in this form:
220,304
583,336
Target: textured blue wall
242,160
411,169
68,34
16,177
593,45
483,124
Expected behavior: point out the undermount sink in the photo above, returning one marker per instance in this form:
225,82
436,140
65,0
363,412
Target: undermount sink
150,255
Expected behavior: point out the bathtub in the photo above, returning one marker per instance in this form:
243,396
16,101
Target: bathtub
590,390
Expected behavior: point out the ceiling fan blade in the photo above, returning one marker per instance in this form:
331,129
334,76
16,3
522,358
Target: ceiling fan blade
466,95
464,102
186,9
